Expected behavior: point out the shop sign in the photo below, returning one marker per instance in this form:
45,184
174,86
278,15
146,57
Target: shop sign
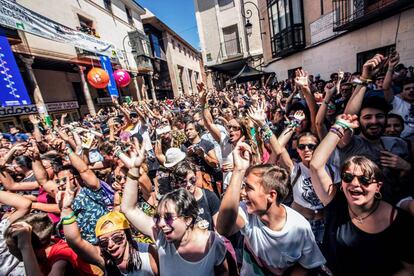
30,109
17,17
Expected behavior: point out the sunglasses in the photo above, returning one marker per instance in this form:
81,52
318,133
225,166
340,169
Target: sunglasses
133,115
363,180
188,183
119,178
235,128
118,239
61,181
168,218
309,146
164,123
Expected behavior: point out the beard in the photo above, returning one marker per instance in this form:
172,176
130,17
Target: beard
365,131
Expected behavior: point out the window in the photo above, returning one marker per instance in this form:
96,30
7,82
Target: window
286,26
86,26
364,56
208,57
108,5
225,4
129,15
156,46
231,41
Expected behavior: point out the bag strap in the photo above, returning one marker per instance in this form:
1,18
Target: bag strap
331,172
293,183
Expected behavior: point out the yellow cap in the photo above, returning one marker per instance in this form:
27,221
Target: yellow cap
118,222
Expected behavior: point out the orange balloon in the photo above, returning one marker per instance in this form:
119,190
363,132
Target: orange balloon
98,78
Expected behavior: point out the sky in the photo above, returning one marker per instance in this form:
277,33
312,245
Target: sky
179,15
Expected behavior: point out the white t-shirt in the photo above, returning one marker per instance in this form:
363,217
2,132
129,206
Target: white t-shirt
171,263
9,265
303,192
207,136
146,269
278,250
227,156
402,108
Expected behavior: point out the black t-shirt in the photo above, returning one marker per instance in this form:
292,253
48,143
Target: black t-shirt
199,161
208,206
350,251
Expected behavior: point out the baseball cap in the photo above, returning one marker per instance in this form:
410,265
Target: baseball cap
112,221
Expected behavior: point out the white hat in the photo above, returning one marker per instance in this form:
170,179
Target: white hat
173,156
163,130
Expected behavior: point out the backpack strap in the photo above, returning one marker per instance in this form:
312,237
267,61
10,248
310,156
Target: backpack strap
293,183
331,172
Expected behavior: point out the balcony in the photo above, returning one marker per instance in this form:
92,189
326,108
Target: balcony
353,14
288,41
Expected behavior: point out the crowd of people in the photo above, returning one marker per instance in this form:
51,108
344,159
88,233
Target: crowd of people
297,177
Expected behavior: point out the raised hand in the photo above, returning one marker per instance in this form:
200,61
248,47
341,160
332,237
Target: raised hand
64,199
242,156
257,114
299,116
22,232
393,161
394,60
302,78
371,66
34,119
350,120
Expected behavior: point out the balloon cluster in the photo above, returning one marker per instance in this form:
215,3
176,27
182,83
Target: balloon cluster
99,78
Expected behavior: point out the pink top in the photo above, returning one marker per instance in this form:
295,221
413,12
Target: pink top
44,197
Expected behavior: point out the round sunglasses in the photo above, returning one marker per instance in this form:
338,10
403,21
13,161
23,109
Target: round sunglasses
168,218
116,238
362,179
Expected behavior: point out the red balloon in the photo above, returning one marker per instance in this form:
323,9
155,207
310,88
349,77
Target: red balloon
98,78
122,77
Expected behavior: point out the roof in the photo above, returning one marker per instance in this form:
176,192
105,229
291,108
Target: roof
152,19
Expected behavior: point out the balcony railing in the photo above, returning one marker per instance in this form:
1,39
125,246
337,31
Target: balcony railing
288,41
231,48
351,14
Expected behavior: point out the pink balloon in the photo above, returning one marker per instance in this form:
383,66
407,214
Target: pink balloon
122,77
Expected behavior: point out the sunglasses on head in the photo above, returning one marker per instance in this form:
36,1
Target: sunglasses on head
168,218
362,179
309,146
116,238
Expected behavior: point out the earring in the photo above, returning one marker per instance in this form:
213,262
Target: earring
341,189
378,195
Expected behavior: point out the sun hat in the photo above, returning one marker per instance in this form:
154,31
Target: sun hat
117,221
173,156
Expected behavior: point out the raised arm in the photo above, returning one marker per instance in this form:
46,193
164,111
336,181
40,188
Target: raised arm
321,130
368,71
206,115
321,180
388,93
228,220
136,216
88,176
83,248
302,80
36,131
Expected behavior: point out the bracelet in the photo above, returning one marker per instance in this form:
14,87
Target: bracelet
365,80
344,125
71,215
336,131
133,177
69,221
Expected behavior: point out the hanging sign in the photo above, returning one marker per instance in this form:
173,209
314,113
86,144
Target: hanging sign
107,66
12,88
17,17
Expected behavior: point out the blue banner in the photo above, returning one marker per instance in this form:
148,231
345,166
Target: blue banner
107,66
12,89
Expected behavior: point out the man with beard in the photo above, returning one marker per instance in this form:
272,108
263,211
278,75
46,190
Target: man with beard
390,153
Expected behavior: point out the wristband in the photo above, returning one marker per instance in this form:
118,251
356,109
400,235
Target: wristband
69,221
133,177
118,153
206,106
337,131
344,125
71,215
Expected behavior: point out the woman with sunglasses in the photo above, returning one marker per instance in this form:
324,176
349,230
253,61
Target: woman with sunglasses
207,201
116,253
183,248
364,235
305,200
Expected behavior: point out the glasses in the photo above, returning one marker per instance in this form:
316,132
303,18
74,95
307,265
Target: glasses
235,128
133,115
168,218
362,179
309,146
164,123
188,183
119,178
118,239
60,181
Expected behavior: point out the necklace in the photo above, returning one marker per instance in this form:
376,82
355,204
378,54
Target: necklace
359,219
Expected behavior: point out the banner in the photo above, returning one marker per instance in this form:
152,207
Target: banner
12,88
31,109
107,66
17,17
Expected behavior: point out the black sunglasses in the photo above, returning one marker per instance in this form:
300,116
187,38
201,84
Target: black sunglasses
362,179
309,146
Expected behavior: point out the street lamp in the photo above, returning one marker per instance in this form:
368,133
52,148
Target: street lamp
247,14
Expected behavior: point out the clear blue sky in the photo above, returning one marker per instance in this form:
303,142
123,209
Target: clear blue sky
179,15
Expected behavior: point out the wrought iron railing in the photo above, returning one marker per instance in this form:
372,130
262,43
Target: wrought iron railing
289,40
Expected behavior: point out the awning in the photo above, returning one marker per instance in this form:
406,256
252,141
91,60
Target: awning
248,73
230,68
